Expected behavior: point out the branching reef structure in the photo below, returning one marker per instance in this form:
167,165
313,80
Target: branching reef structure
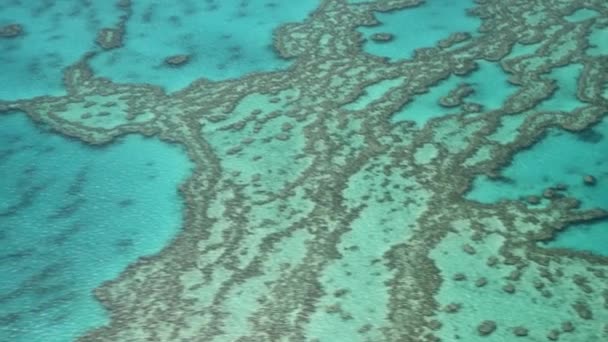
308,220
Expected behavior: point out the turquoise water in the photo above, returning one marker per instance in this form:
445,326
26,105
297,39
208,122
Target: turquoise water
426,106
582,14
225,39
57,34
591,237
543,165
72,217
305,221
597,41
490,87
437,19
564,98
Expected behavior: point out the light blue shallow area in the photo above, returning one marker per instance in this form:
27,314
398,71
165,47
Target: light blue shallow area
489,82
225,39
519,50
560,157
564,99
426,106
419,27
73,216
598,41
491,85
582,14
56,34
591,237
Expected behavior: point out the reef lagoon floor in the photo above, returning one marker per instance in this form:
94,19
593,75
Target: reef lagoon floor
316,170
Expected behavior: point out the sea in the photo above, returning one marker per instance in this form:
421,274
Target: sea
311,170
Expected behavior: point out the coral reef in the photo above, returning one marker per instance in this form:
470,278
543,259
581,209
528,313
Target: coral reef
11,31
177,60
304,218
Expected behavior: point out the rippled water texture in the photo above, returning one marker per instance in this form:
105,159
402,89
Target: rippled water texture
72,217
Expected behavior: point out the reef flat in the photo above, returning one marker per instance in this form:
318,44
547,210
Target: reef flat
313,215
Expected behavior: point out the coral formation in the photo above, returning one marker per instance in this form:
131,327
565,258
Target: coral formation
177,60
382,37
302,212
11,31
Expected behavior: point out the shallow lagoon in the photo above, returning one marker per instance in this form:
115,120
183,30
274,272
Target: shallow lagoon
224,39
73,216
437,19
356,246
591,237
543,165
